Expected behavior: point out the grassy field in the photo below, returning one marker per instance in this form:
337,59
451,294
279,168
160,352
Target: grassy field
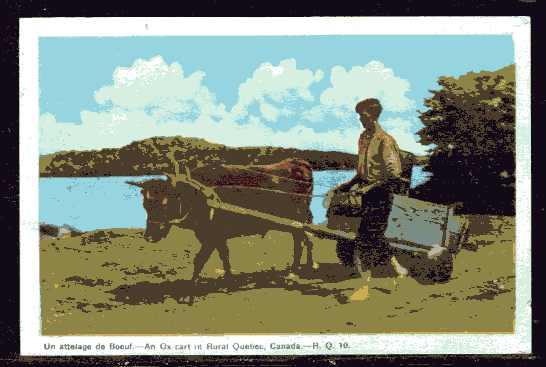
114,282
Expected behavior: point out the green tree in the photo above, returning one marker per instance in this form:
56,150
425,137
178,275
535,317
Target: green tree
469,124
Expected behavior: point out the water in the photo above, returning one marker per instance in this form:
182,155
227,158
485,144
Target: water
322,182
88,203
108,202
418,176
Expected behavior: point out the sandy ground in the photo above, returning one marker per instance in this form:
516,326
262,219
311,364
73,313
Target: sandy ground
114,282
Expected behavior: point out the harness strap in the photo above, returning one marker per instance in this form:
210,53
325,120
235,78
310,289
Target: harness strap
174,221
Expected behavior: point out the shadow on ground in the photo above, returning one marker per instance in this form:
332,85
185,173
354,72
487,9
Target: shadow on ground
185,291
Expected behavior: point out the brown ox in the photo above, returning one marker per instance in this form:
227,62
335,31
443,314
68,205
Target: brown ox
283,189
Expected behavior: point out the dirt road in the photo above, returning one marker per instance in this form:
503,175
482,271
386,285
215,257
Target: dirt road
114,282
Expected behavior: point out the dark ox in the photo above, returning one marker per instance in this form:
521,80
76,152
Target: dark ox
283,189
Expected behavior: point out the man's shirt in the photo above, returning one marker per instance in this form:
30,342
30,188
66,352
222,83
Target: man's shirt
378,156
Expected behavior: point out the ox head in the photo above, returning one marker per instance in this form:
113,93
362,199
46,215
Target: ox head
167,201
158,197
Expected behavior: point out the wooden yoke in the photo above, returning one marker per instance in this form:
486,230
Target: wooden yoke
176,165
186,179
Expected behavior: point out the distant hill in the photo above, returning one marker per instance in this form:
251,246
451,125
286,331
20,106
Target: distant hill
149,157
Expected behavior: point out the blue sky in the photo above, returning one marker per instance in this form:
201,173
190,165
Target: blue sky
293,91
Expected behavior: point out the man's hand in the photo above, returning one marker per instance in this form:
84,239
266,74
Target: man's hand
344,187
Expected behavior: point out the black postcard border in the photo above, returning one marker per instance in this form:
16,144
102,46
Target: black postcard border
12,11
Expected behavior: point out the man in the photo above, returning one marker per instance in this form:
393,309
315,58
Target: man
378,175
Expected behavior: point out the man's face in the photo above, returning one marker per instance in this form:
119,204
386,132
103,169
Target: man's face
365,119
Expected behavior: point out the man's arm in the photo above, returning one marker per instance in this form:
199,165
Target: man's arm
391,159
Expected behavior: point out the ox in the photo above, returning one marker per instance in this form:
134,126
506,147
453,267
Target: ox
283,189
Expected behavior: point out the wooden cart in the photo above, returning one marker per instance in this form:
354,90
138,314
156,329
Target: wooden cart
426,236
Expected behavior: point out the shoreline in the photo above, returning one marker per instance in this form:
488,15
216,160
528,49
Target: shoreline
159,174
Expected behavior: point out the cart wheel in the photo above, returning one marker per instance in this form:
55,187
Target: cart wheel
434,271
345,251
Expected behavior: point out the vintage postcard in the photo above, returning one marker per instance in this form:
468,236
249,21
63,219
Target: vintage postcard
275,186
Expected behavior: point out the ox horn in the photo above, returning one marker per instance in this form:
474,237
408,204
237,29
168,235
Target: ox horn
175,178
133,183
179,176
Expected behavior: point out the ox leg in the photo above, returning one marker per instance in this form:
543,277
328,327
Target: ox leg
201,258
309,246
223,251
298,251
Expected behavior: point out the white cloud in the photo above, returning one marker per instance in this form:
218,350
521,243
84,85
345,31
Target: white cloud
153,98
256,133
304,137
324,113
275,84
155,85
360,82
269,112
403,131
